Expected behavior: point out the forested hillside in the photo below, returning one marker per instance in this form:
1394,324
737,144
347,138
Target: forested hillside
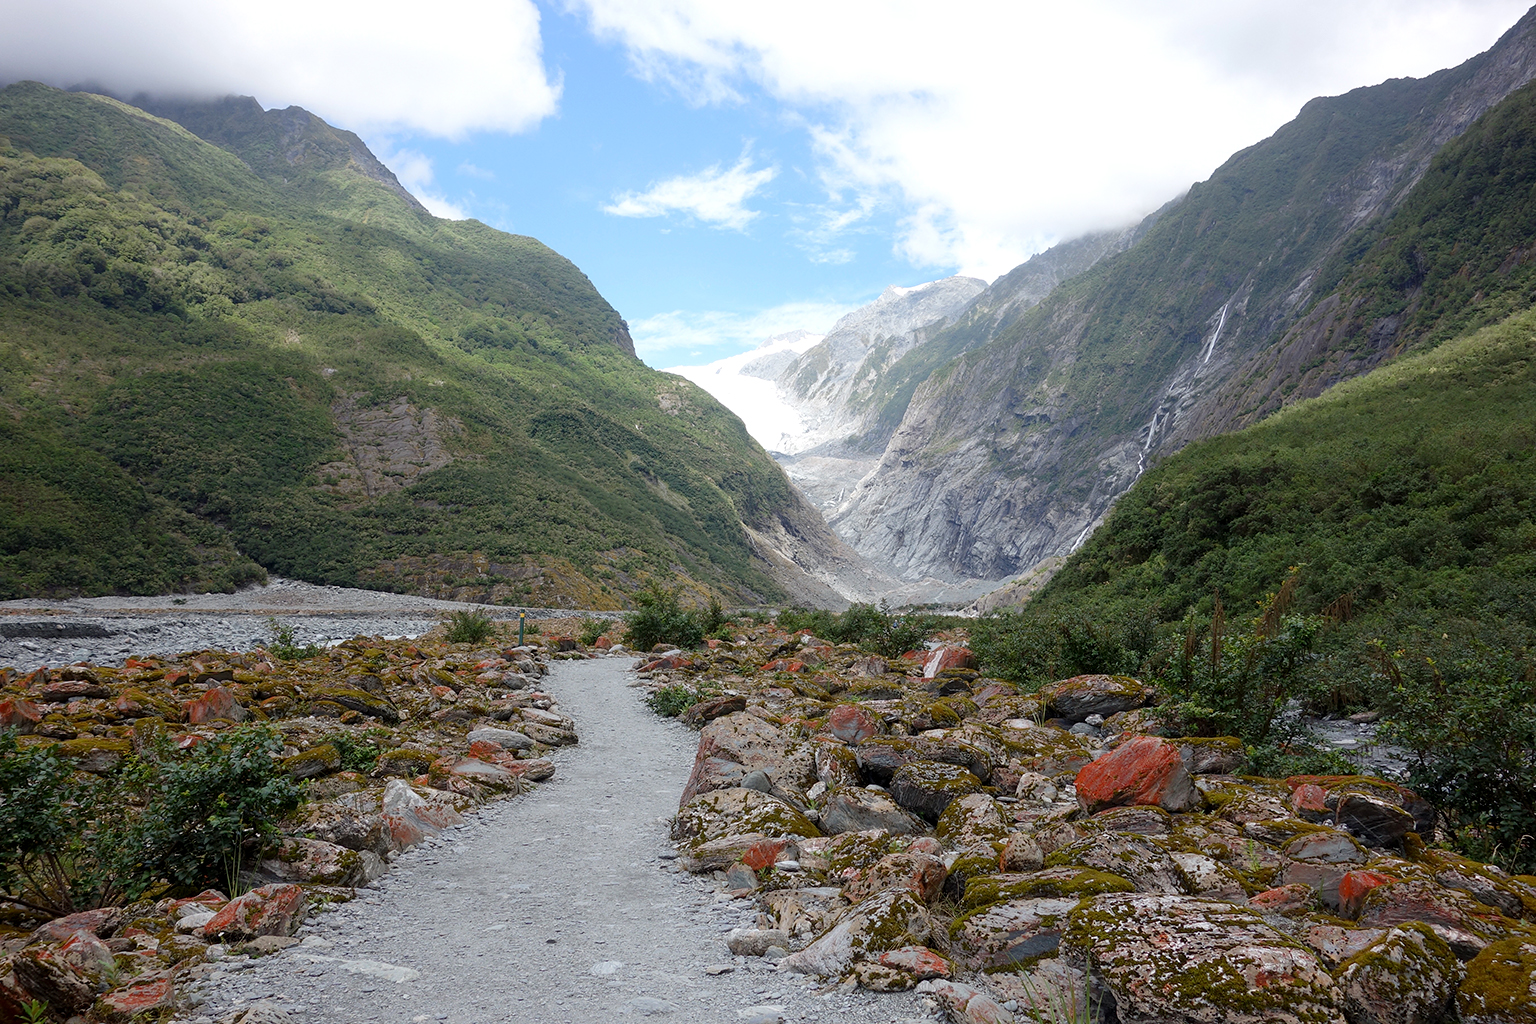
220,362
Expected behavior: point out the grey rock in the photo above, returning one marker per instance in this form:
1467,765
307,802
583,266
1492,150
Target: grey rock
507,739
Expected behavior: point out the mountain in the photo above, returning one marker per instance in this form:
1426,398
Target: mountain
1223,307
744,384
231,343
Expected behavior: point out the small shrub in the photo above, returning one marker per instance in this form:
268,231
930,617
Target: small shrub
875,629
661,620
469,627
356,755
283,643
671,701
592,630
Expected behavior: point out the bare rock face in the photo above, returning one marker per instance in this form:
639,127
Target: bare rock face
387,446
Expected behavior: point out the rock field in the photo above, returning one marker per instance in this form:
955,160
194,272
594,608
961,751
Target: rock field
856,838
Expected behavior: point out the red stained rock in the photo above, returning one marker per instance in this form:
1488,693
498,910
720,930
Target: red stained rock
64,692
764,854
947,658
143,997
1354,887
276,909
1307,801
1465,924
215,704
785,665
1294,900
485,750
19,714
918,961
1145,770
920,873
852,724
101,923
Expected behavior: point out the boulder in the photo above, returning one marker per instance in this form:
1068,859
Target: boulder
1207,877
276,909
890,920
1376,821
19,715
918,961
1461,921
1076,698
926,788
1292,900
321,759
1021,852
1011,932
1500,986
42,974
1355,886
1140,859
709,710
943,659
216,703
1409,976
921,873
1176,958
852,724
1074,883
341,699
859,810
94,753
749,741
138,1001
1144,770
879,757
101,923
737,811
719,854
965,1004
755,941
974,820
1217,755
411,813
320,863
506,739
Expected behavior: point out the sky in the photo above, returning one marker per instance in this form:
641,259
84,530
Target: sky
725,171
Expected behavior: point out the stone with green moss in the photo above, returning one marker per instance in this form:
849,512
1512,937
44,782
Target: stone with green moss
973,820
926,788
364,703
1074,883
95,754
889,920
738,811
1180,959
1500,986
403,762
312,763
1143,860
1409,976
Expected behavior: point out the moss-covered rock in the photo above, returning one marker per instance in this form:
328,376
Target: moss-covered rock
1409,976
926,788
1141,859
1173,958
1073,883
364,703
737,811
403,762
1500,986
1015,931
312,763
890,920
851,809
974,820
95,754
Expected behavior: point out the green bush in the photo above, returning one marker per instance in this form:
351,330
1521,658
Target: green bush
283,642
1465,709
661,620
671,701
356,755
591,631
189,818
875,629
469,627
1033,648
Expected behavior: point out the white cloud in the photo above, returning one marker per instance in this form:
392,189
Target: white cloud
674,337
995,129
715,195
416,173
467,65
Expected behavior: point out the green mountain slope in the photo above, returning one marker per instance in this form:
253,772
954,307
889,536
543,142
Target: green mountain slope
215,363
1412,489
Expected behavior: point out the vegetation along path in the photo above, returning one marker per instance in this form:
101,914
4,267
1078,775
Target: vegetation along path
560,906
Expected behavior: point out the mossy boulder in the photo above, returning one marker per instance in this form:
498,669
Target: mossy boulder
1018,931
737,811
403,762
312,763
95,754
364,703
1143,860
890,920
1500,986
926,788
852,809
974,820
1409,976
1076,698
1073,883
1173,958
880,756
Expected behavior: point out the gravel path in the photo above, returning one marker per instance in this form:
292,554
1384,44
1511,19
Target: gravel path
560,906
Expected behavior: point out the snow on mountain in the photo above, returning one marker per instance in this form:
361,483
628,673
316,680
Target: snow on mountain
743,384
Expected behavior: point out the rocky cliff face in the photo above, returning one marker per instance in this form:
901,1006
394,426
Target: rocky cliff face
1014,451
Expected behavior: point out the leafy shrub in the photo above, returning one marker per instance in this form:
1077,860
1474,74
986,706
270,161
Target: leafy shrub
671,701
1466,712
1032,648
185,817
875,629
469,627
283,642
591,631
203,810
661,620
356,755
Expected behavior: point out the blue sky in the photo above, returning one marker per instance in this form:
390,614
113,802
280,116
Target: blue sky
725,171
